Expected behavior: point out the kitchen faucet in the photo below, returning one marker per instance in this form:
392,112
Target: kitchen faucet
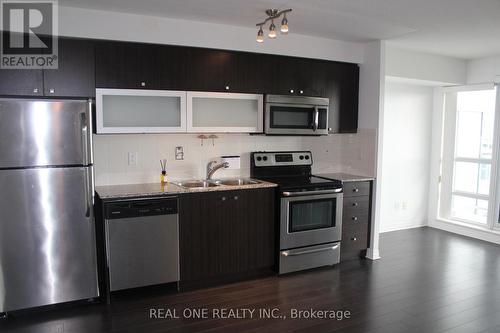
212,166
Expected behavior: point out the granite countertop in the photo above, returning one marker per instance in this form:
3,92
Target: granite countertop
155,189
345,177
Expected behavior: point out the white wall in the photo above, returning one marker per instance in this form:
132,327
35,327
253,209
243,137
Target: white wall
111,154
406,157
435,69
99,24
483,70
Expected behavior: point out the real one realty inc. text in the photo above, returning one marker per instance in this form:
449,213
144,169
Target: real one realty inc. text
247,313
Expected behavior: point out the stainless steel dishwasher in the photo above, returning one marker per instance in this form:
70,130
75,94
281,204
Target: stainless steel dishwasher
142,242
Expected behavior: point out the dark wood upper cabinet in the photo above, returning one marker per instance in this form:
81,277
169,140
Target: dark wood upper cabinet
140,66
212,70
172,67
253,73
21,82
349,98
74,76
118,65
298,77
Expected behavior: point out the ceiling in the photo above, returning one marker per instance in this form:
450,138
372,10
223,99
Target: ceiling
459,28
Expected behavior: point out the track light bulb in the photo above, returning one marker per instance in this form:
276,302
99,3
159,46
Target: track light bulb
260,35
284,25
272,31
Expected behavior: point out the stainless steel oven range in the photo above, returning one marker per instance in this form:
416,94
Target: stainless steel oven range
310,219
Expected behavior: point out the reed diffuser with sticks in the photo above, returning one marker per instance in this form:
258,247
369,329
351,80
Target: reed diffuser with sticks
163,175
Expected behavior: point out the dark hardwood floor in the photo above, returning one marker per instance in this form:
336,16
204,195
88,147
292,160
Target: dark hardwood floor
427,281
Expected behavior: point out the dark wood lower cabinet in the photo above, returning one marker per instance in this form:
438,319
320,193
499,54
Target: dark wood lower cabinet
225,236
355,220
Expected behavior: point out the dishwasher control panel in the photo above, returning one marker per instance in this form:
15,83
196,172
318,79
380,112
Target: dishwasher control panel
137,208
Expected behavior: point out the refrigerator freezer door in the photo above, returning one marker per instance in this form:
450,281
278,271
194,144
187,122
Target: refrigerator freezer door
45,133
47,237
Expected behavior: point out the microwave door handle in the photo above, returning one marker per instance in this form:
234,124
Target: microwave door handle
316,119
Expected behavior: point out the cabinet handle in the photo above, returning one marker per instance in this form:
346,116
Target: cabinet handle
143,84
291,91
354,218
355,190
355,204
35,90
51,91
354,239
235,197
223,198
227,87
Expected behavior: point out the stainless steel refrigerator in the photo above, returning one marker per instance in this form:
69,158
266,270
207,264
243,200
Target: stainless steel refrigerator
47,229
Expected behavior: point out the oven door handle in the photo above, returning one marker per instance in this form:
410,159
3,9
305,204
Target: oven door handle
290,253
298,194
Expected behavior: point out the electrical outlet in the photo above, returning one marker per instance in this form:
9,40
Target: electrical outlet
404,205
397,205
179,153
132,158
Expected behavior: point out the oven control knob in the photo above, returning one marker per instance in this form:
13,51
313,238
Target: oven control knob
307,157
301,157
259,158
264,158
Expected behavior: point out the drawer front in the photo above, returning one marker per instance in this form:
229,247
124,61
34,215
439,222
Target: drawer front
309,257
358,203
355,189
354,241
353,219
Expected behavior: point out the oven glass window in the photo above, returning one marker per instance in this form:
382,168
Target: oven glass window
291,117
311,215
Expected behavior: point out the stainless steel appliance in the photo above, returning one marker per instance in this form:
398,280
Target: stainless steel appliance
47,231
142,242
296,115
311,209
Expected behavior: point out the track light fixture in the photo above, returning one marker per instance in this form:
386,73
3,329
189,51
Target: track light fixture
271,15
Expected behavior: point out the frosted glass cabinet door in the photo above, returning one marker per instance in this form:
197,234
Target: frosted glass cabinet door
140,111
224,112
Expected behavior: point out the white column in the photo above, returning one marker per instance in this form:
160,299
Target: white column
371,112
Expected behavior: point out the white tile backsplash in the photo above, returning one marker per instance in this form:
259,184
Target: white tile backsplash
334,153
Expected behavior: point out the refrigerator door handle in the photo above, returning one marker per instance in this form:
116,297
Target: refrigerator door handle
85,140
87,195
90,121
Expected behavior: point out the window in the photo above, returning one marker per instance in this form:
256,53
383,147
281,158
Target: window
468,157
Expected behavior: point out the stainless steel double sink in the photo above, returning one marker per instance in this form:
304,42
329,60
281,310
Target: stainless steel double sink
216,182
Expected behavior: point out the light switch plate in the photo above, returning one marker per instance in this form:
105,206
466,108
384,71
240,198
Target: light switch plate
132,158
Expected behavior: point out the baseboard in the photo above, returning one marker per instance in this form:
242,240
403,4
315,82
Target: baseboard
468,231
404,227
372,254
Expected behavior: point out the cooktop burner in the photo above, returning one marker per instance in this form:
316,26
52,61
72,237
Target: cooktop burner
291,170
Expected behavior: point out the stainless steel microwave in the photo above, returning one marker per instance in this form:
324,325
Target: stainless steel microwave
296,115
